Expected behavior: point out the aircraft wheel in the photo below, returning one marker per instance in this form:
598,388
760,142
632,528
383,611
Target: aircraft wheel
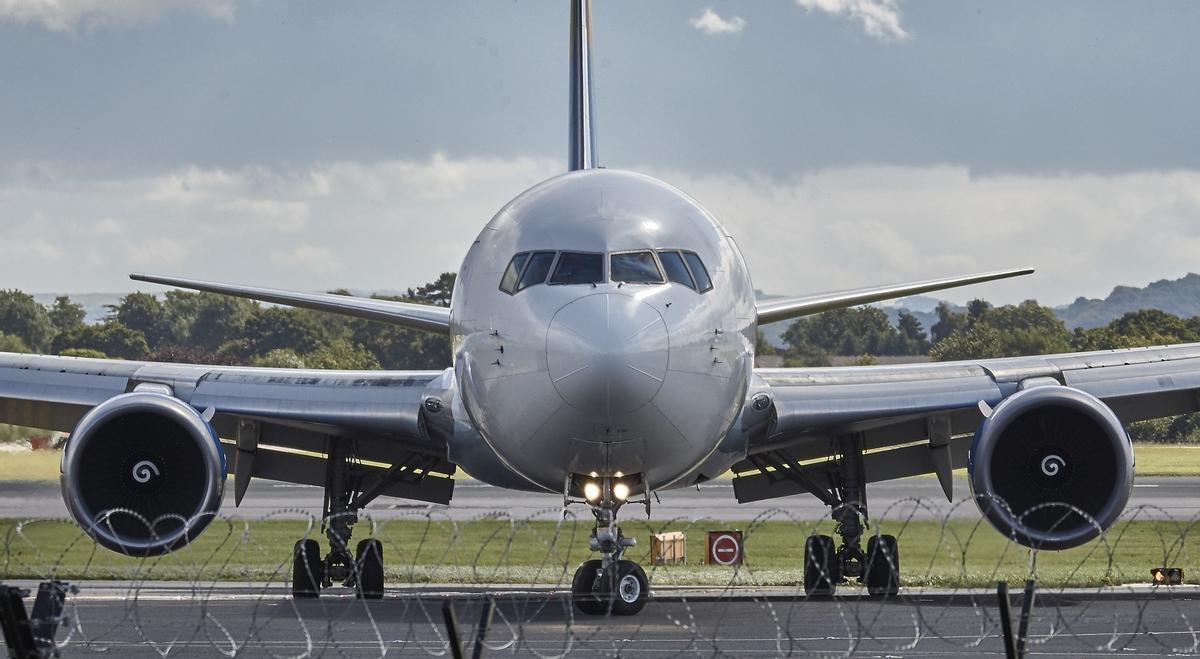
629,590
821,571
583,589
368,560
882,571
307,569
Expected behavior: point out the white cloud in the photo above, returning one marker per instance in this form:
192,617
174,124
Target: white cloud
858,226
709,22
71,15
155,253
309,257
397,223
879,18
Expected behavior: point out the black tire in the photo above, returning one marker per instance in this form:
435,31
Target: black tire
882,571
583,589
629,589
307,569
821,572
368,562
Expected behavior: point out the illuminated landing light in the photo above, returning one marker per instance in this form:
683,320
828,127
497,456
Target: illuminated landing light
621,491
591,491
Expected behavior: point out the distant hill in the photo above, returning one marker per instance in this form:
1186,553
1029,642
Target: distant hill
1176,296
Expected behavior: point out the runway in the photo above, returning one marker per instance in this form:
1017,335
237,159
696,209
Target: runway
1179,497
175,620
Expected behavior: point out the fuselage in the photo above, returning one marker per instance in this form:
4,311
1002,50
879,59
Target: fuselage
591,365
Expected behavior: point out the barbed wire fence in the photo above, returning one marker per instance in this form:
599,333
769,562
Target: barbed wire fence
229,593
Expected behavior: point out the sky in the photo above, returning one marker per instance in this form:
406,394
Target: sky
844,143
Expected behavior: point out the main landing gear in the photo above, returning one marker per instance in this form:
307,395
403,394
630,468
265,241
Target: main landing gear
826,567
610,584
362,570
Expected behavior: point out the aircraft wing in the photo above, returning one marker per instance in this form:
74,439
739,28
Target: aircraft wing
920,418
404,314
771,311
274,423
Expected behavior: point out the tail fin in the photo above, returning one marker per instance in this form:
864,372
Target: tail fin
582,153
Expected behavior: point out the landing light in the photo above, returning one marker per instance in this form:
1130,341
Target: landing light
591,491
621,491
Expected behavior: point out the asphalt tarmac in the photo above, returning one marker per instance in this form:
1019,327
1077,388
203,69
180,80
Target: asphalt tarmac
1178,497
177,620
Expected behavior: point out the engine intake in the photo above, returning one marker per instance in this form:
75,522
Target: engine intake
143,473
1051,467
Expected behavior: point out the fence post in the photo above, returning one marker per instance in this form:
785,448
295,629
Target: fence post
1026,613
1005,621
456,649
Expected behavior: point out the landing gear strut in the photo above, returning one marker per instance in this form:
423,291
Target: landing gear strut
824,567
610,584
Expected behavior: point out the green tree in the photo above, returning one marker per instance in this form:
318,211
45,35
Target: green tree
1008,331
83,352
912,334
1147,327
981,342
272,328
110,337
342,355
144,313
66,315
219,319
22,317
280,358
761,345
853,331
10,343
436,292
948,322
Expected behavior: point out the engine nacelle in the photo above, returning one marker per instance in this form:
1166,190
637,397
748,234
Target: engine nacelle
1051,467
143,473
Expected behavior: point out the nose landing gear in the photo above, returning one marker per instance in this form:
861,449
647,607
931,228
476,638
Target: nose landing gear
610,584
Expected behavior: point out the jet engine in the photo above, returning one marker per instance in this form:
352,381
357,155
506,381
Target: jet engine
143,473
1051,467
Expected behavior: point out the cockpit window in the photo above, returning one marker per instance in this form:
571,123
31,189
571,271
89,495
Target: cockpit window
508,283
677,272
635,268
578,268
536,271
703,281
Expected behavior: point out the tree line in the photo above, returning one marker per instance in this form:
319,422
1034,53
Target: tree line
204,328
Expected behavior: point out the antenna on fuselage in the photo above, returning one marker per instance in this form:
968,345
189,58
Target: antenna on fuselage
582,153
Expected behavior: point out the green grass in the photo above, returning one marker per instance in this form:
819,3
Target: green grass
960,554
29,466
1167,459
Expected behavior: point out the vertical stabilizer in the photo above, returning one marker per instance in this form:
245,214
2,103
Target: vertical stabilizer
582,153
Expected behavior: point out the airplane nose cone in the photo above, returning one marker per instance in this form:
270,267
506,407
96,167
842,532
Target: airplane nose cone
607,353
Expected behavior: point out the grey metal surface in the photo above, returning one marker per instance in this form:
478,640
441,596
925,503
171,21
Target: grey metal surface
417,316
784,309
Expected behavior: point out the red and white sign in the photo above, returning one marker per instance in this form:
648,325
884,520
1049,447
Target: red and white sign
724,547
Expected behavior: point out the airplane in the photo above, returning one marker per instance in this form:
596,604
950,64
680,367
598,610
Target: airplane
603,329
